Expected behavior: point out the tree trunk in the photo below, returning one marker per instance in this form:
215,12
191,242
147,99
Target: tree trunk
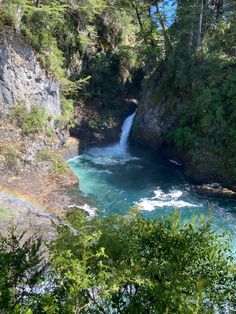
139,19
199,35
168,45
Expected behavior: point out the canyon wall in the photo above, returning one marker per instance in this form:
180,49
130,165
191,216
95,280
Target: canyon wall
22,80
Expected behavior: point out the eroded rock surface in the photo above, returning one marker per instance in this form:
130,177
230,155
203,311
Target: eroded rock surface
22,80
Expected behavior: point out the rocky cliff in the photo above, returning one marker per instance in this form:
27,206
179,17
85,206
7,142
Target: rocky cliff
154,125
153,122
22,80
32,164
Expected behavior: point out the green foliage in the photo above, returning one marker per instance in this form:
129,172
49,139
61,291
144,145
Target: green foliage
59,166
45,155
66,118
104,82
127,263
197,78
9,151
207,123
30,122
8,15
11,155
95,36
21,264
120,263
46,46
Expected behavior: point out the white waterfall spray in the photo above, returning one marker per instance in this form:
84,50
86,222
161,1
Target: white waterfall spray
117,153
126,128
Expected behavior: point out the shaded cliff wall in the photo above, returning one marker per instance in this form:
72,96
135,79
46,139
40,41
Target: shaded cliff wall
154,125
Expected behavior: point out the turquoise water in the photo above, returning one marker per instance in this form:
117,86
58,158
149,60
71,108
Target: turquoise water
114,180
116,177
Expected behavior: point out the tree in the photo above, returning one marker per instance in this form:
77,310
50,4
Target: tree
120,264
22,263
130,263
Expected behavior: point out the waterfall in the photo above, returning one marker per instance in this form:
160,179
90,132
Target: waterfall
117,153
126,131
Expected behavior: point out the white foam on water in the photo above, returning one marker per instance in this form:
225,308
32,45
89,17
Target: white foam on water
113,154
175,194
116,154
110,155
74,160
161,199
150,205
88,209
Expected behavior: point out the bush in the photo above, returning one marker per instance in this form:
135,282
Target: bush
125,263
120,263
157,266
9,151
59,166
45,155
8,16
12,156
66,118
21,265
31,122
39,26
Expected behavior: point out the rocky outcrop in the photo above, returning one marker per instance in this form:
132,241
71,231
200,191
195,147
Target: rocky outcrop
214,189
22,80
154,120
152,127
152,124
45,179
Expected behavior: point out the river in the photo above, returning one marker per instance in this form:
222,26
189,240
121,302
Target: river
116,177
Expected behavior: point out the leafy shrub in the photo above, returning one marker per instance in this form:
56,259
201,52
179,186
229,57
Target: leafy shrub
31,122
38,26
119,263
59,166
8,15
12,156
21,266
158,266
45,154
67,115
9,151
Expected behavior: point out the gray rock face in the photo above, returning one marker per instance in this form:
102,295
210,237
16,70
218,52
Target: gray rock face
22,80
154,121
149,126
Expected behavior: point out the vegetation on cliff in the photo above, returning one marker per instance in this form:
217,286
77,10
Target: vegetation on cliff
91,41
196,77
201,73
118,264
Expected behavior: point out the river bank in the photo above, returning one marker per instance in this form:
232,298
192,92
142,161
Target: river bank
34,167
36,183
